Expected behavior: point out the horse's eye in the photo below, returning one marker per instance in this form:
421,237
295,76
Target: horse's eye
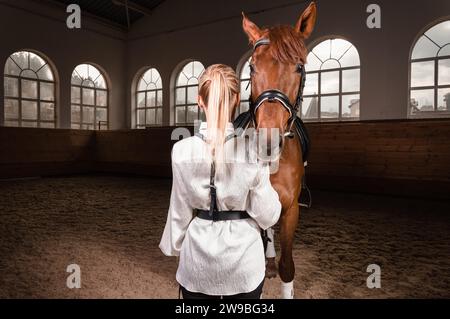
299,68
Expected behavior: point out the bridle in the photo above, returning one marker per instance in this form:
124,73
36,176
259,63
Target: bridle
276,95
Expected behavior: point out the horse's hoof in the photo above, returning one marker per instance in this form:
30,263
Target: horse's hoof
271,273
271,268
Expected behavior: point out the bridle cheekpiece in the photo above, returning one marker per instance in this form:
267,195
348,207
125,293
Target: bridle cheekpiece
278,96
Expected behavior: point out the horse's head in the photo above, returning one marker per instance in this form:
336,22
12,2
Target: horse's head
277,66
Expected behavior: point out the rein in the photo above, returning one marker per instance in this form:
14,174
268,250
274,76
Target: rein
276,95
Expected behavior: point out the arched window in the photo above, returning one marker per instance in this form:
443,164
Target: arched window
149,99
332,82
245,88
430,73
186,91
29,91
89,98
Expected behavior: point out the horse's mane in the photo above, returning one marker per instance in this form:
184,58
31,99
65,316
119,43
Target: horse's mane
286,44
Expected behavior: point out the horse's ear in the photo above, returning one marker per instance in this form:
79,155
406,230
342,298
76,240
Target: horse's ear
306,22
252,30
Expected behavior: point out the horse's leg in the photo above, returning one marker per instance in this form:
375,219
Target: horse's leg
271,267
288,225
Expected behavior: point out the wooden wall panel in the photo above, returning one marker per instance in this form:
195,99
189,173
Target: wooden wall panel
26,152
391,157
418,150
142,152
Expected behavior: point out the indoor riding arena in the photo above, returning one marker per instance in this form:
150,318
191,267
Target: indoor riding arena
95,93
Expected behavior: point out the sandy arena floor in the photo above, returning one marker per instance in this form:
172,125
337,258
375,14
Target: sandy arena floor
111,227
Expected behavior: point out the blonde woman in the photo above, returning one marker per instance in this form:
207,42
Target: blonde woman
220,201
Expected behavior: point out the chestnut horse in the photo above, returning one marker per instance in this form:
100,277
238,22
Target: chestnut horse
278,53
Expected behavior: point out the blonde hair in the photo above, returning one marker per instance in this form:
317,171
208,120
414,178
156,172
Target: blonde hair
219,89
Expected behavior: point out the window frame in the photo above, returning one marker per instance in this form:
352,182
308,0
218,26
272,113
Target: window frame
38,100
185,87
245,62
82,106
340,93
158,92
435,113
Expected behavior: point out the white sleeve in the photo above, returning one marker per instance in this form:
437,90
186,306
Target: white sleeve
179,216
264,204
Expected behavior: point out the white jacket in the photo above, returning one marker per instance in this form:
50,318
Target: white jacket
223,257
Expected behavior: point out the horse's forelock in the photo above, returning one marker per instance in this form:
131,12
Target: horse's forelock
286,45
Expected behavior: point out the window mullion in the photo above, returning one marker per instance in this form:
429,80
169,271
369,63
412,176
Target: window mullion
81,108
38,104
93,115
186,104
319,100
19,93
436,80
145,108
137,109
340,95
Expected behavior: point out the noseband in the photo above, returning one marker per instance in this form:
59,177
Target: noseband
277,96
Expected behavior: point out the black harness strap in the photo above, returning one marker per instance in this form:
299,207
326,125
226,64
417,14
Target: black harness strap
272,96
214,213
213,194
265,239
221,215
263,41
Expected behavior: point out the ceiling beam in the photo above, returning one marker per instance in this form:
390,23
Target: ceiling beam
133,6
